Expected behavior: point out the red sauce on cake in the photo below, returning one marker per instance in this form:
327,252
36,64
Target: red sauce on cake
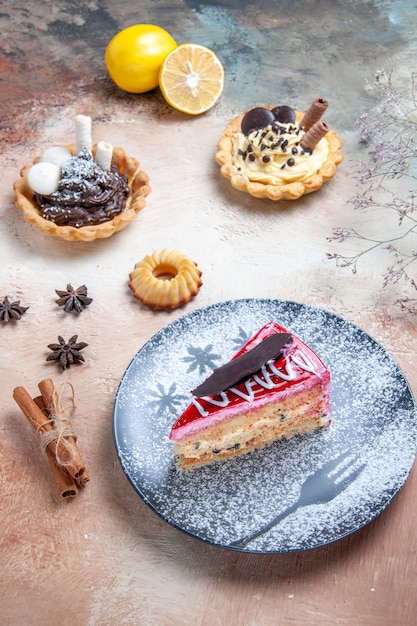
296,368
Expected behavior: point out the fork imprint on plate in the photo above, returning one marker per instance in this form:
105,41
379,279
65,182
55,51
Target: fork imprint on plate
322,486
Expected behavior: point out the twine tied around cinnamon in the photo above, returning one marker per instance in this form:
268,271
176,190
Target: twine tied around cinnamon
61,426
48,417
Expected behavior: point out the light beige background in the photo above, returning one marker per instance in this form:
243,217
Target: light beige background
104,558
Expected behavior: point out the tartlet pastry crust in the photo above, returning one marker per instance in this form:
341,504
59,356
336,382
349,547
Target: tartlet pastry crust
139,188
288,191
182,279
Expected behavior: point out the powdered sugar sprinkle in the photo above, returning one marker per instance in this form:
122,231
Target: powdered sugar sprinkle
374,418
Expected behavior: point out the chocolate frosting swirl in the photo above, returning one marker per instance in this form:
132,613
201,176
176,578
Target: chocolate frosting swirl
87,194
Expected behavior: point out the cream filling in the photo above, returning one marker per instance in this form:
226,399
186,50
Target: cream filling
272,424
275,157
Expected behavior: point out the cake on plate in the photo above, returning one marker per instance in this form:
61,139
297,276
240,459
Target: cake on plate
82,191
275,387
279,153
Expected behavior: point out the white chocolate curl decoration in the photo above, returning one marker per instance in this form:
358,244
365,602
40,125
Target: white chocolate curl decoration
83,133
104,155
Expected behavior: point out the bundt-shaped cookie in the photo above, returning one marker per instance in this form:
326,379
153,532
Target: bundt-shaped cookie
165,279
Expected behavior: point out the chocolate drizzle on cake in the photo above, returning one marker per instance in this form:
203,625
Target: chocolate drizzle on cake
248,363
87,194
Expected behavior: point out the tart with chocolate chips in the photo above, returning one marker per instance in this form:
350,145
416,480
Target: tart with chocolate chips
279,153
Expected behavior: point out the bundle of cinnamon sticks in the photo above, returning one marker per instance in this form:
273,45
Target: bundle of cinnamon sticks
48,417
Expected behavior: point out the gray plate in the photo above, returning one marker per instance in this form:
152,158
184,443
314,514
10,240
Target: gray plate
374,424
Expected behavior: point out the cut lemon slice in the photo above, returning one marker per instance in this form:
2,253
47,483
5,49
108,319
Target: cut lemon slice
191,78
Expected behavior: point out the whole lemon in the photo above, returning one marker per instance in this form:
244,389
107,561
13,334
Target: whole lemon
134,56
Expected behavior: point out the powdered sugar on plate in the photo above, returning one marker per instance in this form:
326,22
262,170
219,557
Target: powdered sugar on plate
374,419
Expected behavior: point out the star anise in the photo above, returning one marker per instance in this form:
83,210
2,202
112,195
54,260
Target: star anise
66,353
11,310
73,299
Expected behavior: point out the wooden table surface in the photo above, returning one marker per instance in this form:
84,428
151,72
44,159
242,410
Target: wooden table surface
104,558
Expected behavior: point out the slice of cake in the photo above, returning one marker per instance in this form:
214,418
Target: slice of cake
275,387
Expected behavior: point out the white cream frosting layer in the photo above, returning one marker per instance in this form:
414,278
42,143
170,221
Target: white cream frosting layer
273,155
